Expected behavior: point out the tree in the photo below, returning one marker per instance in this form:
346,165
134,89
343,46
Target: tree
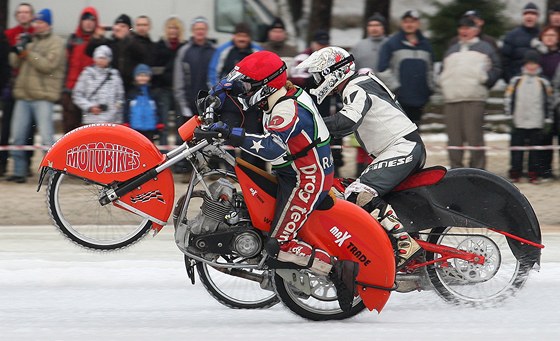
320,17
443,24
3,14
380,6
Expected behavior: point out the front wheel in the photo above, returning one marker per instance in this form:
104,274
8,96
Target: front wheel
461,282
74,207
320,305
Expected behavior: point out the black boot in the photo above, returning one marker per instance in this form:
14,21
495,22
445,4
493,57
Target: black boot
343,275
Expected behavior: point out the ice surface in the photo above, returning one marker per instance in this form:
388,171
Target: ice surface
51,289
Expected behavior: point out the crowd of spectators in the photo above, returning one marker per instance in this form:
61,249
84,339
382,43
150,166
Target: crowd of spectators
119,74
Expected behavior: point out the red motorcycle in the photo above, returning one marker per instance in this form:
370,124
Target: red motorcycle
109,186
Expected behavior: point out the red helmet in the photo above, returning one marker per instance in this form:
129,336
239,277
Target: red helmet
262,74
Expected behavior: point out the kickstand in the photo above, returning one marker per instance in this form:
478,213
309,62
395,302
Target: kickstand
189,266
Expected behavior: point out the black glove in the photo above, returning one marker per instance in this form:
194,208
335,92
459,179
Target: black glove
21,45
233,136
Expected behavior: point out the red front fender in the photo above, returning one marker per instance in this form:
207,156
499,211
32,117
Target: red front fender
106,153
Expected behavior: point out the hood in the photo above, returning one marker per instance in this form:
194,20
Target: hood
90,10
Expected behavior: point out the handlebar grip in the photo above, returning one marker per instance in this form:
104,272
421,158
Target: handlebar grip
209,135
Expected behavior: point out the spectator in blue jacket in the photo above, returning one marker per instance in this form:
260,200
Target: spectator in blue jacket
141,110
223,61
405,66
519,40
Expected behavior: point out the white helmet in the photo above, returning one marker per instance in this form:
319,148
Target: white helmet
329,67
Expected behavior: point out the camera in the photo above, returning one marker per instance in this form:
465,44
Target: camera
23,40
103,107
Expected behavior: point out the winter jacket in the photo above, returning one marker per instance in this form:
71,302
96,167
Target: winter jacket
127,53
469,70
41,72
528,99
163,63
225,58
282,49
141,109
4,64
549,63
147,45
407,69
76,45
366,52
190,73
516,43
109,92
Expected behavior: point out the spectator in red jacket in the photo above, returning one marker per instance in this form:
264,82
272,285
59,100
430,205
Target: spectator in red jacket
24,15
77,60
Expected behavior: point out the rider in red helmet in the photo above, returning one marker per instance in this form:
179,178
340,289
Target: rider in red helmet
296,142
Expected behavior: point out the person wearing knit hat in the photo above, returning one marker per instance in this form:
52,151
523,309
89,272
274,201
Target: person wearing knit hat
527,99
99,90
276,41
37,86
554,16
366,57
366,51
142,110
519,40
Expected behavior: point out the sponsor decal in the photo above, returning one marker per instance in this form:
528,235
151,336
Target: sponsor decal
298,213
358,254
339,235
276,121
256,194
391,163
103,158
145,197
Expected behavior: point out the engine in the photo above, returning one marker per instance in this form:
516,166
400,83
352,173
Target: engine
222,226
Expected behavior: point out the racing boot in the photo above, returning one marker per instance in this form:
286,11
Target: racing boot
300,253
407,247
343,275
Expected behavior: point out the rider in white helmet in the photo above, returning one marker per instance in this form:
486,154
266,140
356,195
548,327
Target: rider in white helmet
372,113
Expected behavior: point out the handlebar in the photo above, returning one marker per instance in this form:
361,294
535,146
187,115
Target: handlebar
211,103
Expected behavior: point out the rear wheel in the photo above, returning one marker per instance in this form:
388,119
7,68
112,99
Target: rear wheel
320,305
74,207
462,282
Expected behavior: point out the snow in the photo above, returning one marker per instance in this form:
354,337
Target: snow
51,289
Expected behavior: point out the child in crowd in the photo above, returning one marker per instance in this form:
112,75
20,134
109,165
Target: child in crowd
99,91
141,112
528,100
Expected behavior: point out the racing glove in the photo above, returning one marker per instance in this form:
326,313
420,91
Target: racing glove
224,87
233,136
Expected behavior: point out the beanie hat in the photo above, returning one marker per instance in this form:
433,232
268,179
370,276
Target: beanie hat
242,28
142,68
412,13
124,19
472,14
466,21
531,8
44,15
532,56
322,37
199,19
277,23
103,51
378,17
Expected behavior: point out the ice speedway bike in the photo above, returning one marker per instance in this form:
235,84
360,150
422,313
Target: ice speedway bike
109,186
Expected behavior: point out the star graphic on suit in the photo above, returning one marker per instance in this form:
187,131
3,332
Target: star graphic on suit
257,145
